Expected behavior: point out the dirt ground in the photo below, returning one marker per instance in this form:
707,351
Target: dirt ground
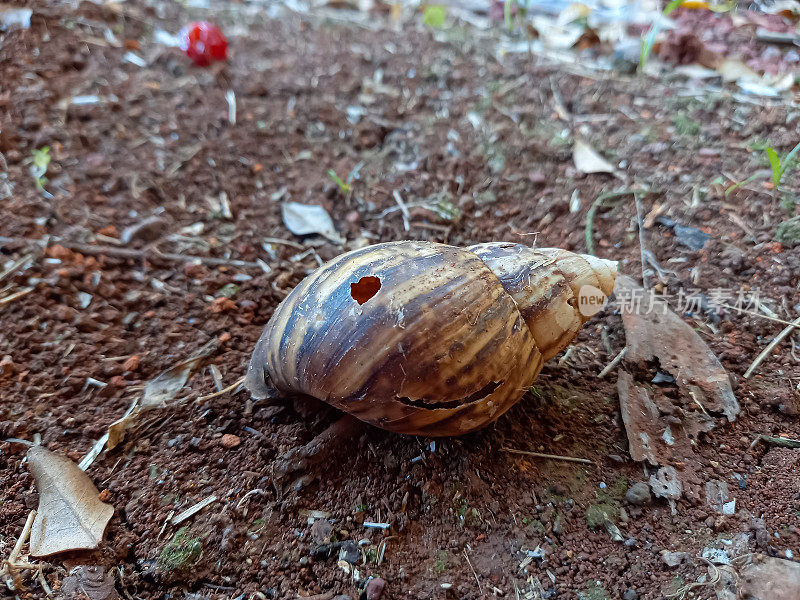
479,148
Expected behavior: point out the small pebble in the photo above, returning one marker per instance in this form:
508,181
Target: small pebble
630,594
638,493
375,588
131,364
230,441
7,367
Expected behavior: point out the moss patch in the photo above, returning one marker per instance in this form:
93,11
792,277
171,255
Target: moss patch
788,232
181,553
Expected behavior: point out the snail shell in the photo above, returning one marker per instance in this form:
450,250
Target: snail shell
426,338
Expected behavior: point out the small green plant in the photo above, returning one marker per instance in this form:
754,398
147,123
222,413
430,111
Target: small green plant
649,39
361,508
440,566
778,167
685,125
594,591
344,187
434,16
41,159
181,553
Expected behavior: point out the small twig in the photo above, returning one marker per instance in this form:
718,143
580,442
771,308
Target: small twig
593,209
607,369
26,531
231,387
584,461
192,510
779,441
478,581
765,352
642,247
43,583
247,495
791,324
272,240
98,250
15,295
403,209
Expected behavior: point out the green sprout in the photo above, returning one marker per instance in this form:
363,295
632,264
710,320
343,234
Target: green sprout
649,39
434,16
347,185
778,166
41,159
344,187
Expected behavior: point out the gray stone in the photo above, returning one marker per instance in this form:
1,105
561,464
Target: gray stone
630,594
673,559
638,493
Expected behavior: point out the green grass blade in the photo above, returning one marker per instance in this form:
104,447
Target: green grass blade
775,165
741,183
649,40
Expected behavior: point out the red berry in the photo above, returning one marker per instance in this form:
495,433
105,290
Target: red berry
204,43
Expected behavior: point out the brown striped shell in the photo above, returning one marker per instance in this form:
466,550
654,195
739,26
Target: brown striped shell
425,338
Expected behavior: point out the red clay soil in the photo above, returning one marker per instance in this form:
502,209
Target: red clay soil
448,123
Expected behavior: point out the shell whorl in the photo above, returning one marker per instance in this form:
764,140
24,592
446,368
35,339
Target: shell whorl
445,345
546,283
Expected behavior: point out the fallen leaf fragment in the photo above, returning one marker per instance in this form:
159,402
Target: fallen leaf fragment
71,515
588,160
306,219
159,392
658,333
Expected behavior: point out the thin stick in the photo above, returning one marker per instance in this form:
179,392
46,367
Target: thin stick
15,295
403,209
192,510
642,248
478,581
607,369
752,313
584,461
93,250
765,352
26,531
778,441
272,240
231,387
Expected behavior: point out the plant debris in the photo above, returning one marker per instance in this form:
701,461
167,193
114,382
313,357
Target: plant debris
71,515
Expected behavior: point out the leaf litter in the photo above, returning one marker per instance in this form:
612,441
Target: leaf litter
662,427
71,515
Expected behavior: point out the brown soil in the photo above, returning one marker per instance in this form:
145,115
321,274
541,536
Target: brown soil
159,143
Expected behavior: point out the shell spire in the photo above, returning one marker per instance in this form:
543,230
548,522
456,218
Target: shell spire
556,290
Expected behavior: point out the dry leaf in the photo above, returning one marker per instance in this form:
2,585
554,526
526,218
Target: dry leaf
305,219
588,160
158,392
663,429
70,514
660,334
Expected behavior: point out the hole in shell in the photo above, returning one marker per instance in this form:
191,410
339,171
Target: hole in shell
482,393
365,288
